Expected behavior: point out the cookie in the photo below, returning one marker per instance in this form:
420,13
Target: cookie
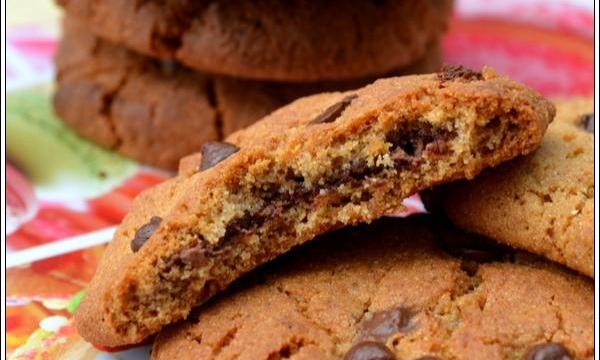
157,112
150,111
543,203
299,41
322,162
391,290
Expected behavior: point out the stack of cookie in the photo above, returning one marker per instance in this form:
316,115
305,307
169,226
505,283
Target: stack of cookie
155,80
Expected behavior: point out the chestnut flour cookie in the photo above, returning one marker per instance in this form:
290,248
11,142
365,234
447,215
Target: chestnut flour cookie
322,162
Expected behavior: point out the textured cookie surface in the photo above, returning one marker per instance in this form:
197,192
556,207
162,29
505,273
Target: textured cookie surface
143,109
302,40
321,162
544,202
157,112
392,288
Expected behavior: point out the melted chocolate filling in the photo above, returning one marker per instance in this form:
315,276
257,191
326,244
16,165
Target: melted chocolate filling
408,147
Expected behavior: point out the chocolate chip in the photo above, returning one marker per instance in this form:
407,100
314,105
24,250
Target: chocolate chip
411,141
452,72
439,146
369,350
244,223
548,351
383,324
408,152
215,152
334,111
401,158
144,232
195,256
587,122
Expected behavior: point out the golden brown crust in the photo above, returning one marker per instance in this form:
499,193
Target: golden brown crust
208,204
543,203
314,302
296,41
154,202
120,101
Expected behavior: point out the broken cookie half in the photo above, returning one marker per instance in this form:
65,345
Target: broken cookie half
322,162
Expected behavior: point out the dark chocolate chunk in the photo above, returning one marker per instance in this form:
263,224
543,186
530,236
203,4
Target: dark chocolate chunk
144,232
291,176
409,151
243,224
401,158
439,146
452,72
548,351
194,256
369,350
385,323
215,152
411,142
587,122
357,171
334,111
